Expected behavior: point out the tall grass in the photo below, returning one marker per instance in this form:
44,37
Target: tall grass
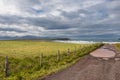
21,49
27,66
118,46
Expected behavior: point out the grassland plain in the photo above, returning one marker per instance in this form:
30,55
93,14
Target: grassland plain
118,46
21,49
24,57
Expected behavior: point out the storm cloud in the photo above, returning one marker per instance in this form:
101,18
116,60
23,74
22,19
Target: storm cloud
60,18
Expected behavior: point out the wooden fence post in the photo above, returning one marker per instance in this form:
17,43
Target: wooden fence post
75,49
58,55
68,51
41,59
6,67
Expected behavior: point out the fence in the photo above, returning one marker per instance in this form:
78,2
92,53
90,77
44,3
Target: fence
56,60
41,60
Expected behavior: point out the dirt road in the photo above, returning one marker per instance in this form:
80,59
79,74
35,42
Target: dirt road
93,67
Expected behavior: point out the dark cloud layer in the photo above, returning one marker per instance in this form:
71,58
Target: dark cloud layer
60,18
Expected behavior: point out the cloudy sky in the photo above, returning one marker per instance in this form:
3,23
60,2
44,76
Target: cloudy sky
74,19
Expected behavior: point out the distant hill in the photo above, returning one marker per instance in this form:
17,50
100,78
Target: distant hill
61,39
33,38
7,38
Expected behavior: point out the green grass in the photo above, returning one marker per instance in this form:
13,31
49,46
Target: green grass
21,49
24,57
118,46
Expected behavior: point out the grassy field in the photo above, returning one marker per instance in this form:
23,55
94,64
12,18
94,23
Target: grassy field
21,49
118,46
24,57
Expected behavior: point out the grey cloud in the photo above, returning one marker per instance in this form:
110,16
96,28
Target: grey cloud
9,29
25,5
38,22
70,15
80,18
11,19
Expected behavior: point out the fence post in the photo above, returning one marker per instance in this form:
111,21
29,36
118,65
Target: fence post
58,55
68,51
6,67
75,49
41,59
